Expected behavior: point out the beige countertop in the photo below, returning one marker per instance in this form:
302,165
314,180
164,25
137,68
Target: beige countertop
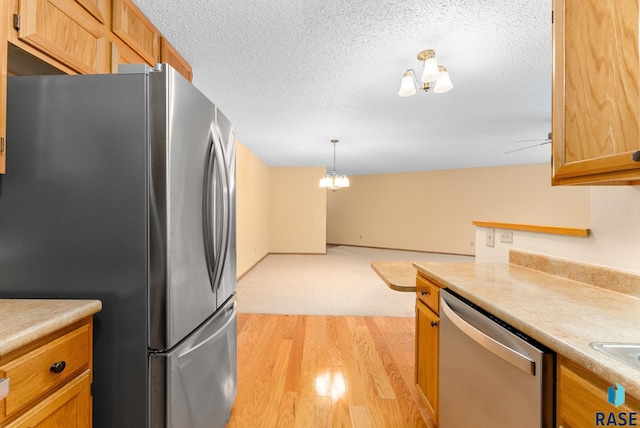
563,314
24,320
399,276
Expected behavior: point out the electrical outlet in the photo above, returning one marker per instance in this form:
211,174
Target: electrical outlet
491,236
506,237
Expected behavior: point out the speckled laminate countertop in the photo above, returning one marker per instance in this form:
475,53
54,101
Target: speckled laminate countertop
564,314
399,276
24,320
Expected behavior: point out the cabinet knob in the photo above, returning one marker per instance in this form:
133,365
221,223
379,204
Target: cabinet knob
434,324
425,292
58,367
636,156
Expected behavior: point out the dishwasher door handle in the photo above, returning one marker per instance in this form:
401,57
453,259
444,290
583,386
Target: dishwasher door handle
511,356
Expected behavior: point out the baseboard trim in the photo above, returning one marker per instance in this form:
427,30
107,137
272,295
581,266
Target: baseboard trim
400,249
251,268
346,245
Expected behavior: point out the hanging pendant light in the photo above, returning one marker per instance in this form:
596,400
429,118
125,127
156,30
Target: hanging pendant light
334,181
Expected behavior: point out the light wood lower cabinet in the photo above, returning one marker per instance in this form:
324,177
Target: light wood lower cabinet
50,381
427,343
427,336
582,399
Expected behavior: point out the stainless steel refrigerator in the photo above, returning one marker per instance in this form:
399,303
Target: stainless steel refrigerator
121,188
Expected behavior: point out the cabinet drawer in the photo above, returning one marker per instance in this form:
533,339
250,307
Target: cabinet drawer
33,375
70,406
428,293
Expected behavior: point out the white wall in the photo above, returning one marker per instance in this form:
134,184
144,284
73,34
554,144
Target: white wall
614,239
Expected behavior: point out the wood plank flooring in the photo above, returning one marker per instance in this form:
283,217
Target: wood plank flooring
326,371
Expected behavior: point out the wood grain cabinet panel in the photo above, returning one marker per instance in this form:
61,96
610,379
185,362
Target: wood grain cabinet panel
50,380
595,92
130,25
581,395
4,66
429,293
65,32
171,56
427,360
68,407
97,8
122,54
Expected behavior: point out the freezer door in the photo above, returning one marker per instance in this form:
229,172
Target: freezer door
194,385
182,295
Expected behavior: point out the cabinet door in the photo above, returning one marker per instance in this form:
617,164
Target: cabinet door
70,406
171,56
427,335
581,395
136,30
97,8
596,92
63,31
4,30
124,55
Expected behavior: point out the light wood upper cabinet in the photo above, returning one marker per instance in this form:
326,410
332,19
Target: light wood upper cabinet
123,54
595,92
97,8
136,30
4,67
75,37
64,31
171,56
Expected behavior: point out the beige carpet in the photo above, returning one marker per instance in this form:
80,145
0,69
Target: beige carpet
338,283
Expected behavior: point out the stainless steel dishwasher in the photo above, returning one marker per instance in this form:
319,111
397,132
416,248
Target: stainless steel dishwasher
491,375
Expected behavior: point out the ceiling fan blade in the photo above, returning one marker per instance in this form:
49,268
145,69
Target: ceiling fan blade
528,147
537,139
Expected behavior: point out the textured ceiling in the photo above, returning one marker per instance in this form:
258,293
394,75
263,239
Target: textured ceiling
292,75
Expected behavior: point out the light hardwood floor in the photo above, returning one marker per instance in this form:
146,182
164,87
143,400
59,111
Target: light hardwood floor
326,371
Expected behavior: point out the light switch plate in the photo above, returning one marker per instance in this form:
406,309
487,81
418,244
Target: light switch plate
491,237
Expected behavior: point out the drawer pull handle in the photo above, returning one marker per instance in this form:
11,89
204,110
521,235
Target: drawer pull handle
4,387
58,367
425,292
636,156
434,324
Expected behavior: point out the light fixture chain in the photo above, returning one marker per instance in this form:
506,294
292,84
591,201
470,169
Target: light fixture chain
334,157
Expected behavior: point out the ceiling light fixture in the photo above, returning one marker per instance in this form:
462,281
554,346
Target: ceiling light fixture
433,76
334,181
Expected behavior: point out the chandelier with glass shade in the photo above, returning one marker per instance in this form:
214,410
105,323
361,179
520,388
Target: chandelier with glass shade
433,76
334,181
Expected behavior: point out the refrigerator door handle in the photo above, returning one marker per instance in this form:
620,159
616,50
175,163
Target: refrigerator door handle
216,187
222,329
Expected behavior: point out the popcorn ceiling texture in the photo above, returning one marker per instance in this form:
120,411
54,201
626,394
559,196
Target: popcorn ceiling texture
293,75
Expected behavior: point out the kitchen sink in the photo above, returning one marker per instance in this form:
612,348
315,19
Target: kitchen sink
626,353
